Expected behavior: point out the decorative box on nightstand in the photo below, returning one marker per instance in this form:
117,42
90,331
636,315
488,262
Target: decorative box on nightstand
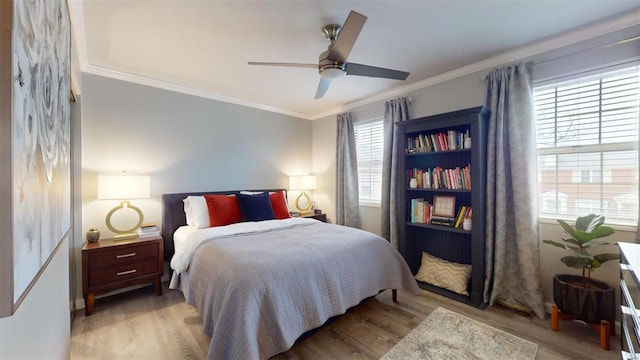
112,264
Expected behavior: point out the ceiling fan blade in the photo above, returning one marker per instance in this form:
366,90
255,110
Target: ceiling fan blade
322,88
347,36
314,66
373,71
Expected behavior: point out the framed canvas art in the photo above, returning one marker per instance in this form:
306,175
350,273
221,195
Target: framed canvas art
444,206
35,195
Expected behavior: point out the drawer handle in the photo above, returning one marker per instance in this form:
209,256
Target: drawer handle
126,272
125,255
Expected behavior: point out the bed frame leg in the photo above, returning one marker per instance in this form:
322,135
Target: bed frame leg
394,295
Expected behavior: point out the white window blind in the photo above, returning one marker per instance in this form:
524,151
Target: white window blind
587,138
369,145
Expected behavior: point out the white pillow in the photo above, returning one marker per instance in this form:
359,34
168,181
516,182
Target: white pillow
187,211
197,212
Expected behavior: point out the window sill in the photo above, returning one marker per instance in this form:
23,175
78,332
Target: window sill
369,204
617,227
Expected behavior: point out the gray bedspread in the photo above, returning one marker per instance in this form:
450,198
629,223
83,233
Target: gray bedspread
257,293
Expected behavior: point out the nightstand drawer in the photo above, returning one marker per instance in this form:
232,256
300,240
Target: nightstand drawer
112,264
123,272
122,255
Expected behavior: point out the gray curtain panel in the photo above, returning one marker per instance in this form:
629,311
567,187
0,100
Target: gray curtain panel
394,111
347,193
512,239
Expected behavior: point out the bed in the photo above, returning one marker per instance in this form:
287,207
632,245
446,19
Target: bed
259,285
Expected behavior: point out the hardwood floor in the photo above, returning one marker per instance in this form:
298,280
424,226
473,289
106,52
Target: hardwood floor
141,325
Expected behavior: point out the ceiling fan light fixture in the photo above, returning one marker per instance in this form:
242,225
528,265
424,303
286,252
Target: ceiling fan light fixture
332,73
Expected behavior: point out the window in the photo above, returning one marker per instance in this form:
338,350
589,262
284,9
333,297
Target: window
369,145
587,138
587,176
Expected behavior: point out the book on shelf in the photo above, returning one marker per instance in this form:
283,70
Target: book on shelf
463,213
458,178
441,220
460,216
415,205
449,140
420,211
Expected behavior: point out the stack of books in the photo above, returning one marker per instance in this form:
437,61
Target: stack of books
465,212
450,140
148,231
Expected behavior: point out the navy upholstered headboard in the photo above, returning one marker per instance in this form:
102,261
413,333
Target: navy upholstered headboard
173,215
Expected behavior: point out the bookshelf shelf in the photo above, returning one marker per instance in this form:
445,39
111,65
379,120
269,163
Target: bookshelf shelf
440,228
438,153
447,242
439,190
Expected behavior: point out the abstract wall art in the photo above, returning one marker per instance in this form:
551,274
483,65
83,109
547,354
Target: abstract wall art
39,141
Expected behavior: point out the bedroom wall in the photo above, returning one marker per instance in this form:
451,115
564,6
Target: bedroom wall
40,328
185,143
469,91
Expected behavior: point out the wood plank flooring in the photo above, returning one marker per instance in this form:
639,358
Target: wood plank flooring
140,325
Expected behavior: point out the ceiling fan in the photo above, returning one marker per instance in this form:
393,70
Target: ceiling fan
332,64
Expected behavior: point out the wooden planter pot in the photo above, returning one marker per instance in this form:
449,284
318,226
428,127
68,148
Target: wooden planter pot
589,305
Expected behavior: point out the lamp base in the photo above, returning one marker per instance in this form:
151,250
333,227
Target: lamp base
125,236
303,209
124,232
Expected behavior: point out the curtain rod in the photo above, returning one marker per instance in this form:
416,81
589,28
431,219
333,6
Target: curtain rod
380,107
619,42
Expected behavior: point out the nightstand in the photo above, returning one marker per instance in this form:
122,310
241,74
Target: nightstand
321,217
112,264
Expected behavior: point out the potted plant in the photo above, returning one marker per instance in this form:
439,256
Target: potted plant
580,296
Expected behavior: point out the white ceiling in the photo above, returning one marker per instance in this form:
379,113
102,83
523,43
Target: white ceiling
202,47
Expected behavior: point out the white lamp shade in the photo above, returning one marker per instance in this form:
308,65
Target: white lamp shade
123,187
302,182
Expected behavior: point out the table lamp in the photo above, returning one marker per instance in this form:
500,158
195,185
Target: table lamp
123,187
302,183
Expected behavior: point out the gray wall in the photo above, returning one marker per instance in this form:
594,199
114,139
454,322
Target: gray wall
469,91
185,143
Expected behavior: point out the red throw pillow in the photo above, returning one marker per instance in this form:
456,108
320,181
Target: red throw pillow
223,209
279,205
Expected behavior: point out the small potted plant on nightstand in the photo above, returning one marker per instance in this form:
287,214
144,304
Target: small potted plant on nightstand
581,297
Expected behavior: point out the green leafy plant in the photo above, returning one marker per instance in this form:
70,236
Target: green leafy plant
584,236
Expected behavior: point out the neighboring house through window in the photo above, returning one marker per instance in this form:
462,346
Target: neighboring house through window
369,147
587,136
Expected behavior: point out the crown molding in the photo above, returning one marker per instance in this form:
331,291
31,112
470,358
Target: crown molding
552,43
141,80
